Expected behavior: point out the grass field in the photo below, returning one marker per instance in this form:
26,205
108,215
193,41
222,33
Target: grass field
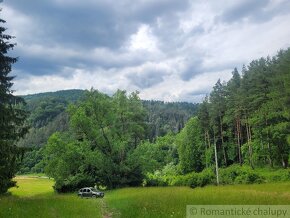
35,198
172,201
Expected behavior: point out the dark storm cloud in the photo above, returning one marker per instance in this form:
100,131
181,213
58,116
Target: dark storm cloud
36,66
94,23
71,26
83,26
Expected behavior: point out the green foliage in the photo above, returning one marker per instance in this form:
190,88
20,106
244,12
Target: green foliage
191,149
236,174
12,116
247,119
67,162
154,156
32,161
274,175
193,179
99,147
46,110
165,117
48,115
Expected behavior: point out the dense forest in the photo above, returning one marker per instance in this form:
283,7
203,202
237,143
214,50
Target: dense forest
248,117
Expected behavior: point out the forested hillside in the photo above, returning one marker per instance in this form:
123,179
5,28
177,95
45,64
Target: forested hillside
164,117
48,114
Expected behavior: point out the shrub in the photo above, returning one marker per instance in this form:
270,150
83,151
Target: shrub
274,175
192,179
72,183
236,174
206,177
155,179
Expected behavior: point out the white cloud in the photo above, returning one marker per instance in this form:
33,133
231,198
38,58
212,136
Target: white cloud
143,39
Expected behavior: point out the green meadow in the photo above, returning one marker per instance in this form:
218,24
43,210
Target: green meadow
35,197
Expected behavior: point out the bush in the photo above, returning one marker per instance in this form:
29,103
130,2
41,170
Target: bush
274,175
206,177
155,179
236,174
192,179
73,183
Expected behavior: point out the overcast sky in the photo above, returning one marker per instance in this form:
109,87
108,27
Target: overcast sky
171,50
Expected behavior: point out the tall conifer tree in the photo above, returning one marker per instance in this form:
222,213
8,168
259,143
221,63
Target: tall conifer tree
12,117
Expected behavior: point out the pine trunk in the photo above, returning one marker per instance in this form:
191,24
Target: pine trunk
222,139
238,123
249,137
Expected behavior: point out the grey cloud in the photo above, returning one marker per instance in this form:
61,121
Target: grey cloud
243,9
255,11
83,26
148,12
191,72
72,26
146,79
37,66
194,96
94,23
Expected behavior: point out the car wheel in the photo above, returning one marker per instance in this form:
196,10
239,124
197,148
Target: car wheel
94,196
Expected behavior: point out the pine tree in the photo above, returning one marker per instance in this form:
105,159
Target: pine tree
217,112
12,117
233,114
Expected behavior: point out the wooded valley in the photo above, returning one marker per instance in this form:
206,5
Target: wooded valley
88,137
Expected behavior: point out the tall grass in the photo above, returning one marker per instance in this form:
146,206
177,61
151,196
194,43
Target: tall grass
171,201
36,198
